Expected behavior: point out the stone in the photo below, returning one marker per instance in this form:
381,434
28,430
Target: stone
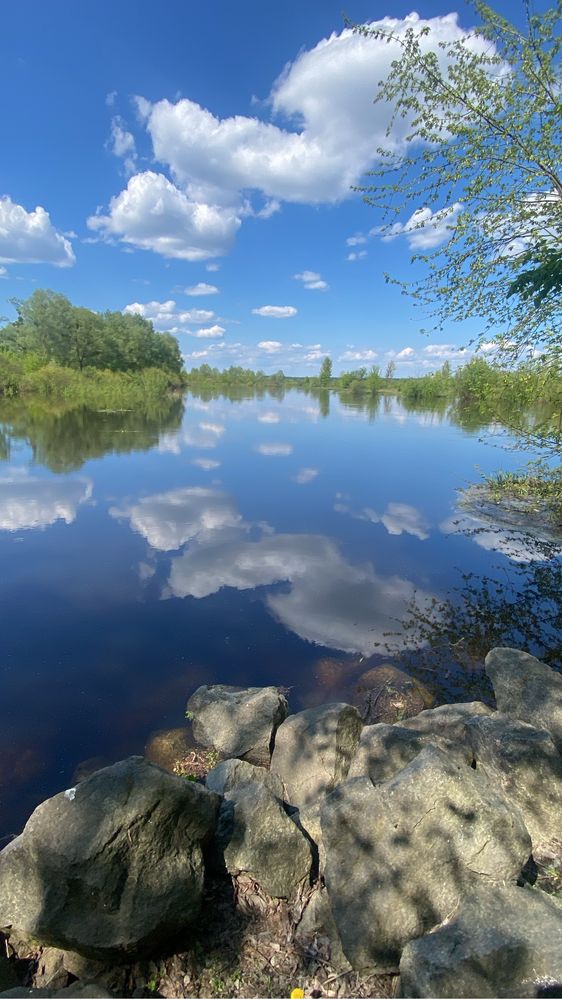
50,971
308,819
316,926
387,694
167,747
384,750
231,773
502,941
237,722
448,720
314,749
88,990
400,856
112,867
527,689
522,762
259,839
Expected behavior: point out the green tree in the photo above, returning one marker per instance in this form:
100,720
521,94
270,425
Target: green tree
390,370
480,161
326,372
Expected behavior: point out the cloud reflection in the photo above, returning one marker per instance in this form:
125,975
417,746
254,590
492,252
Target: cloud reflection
28,502
168,520
397,518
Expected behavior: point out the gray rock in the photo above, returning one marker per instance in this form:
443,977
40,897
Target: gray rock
112,867
238,722
527,689
88,990
308,819
524,764
317,927
448,720
258,838
400,855
231,773
501,942
384,750
314,749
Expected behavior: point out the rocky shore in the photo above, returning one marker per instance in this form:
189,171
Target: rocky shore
322,851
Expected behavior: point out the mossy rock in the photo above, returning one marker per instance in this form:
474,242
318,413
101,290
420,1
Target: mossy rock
387,694
167,747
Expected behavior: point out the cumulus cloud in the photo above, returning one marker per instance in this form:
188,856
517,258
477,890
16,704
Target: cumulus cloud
167,315
358,355
28,502
312,281
269,418
270,346
360,255
168,520
207,464
201,288
31,238
276,311
425,229
218,164
122,144
211,332
405,353
356,240
152,214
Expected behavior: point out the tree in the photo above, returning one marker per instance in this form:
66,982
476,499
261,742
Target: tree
390,370
481,166
326,372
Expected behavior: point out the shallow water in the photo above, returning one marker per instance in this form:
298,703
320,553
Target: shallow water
256,541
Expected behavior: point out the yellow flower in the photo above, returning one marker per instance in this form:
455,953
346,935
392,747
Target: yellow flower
297,994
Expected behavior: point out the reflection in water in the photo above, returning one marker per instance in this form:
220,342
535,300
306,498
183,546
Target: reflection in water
330,601
27,502
281,450
305,475
168,520
398,518
518,545
63,439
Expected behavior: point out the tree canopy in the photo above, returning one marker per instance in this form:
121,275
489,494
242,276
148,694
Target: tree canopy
481,163
50,328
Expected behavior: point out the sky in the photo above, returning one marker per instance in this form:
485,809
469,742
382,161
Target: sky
194,162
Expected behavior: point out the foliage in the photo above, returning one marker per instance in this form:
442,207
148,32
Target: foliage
325,372
483,139
51,329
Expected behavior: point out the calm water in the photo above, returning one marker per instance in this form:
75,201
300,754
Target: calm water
220,541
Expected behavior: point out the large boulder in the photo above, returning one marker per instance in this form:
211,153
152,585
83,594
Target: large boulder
501,942
524,764
231,773
258,838
449,721
384,750
113,867
399,856
387,694
237,722
527,689
314,749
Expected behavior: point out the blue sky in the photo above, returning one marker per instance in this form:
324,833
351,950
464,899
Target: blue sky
192,161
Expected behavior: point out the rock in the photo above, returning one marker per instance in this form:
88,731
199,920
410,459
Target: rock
501,942
525,765
399,856
231,773
259,839
527,689
308,819
50,971
448,720
317,927
113,866
387,694
167,747
88,990
314,749
88,767
238,722
384,750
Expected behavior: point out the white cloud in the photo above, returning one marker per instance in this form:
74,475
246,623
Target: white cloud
168,520
122,144
3,272
305,475
269,418
211,332
275,311
407,352
213,428
110,98
331,141
398,518
31,238
358,355
424,229
312,281
213,267
207,464
356,240
167,316
202,289
28,502
270,346
279,450
152,214
360,255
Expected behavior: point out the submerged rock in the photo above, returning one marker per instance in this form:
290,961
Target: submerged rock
502,941
387,694
400,856
113,867
238,723
527,689
167,747
314,749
